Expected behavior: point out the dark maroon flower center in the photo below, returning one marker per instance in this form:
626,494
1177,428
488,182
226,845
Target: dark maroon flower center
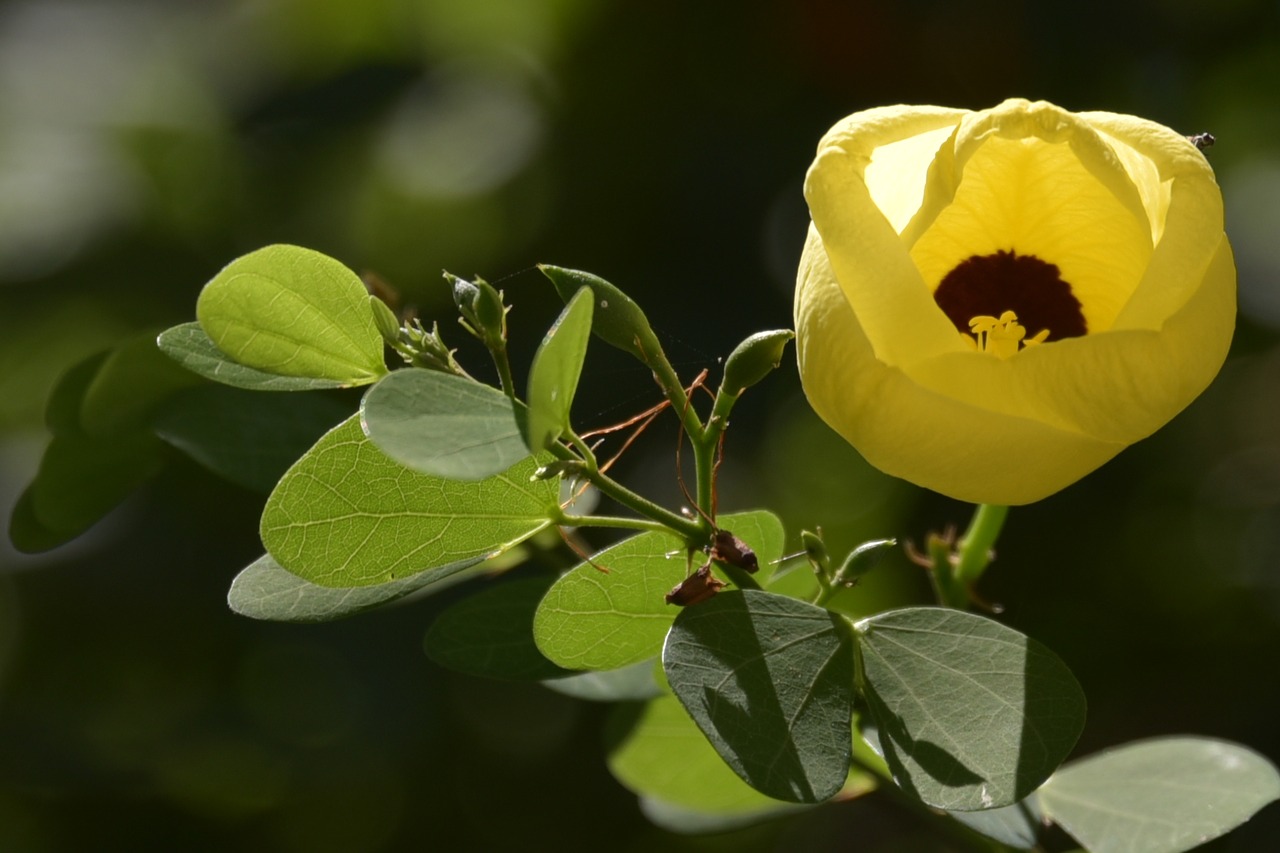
990,285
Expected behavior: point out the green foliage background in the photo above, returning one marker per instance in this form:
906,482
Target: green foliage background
662,145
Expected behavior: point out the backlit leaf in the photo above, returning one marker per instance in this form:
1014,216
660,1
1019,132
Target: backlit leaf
628,684
346,515
971,714
1163,795
557,365
296,312
769,681
444,425
593,620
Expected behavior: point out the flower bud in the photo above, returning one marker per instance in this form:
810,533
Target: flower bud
617,319
753,360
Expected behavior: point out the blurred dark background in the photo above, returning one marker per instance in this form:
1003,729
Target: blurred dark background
662,145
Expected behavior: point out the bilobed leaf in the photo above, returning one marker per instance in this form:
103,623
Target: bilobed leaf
264,590
971,714
62,412
557,365
130,383
490,633
655,750
296,312
1163,795
346,515
628,684
769,681
190,347
82,478
248,438
593,620
444,425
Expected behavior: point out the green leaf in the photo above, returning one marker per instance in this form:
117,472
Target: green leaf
188,345
62,412
971,714
769,680
553,378
628,684
132,381
1159,796
296,312
444,425
617,319
592,620
655,750
28,534
490,634
265,590
248,438
1019,825
346,515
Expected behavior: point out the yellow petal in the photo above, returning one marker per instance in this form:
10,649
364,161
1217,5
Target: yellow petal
874,269
963,450
1034,179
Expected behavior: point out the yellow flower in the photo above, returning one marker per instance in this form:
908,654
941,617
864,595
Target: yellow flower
992,304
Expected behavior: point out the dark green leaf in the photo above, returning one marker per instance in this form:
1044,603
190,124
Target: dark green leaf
592,620
190,347
27,533
81,479
769,680
248,438
971,714
557,365
264,590
62,412
443,425
296,312
132,381
1159,796
490,633
346,515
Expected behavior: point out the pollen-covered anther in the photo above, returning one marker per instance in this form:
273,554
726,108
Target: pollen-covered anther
1003,336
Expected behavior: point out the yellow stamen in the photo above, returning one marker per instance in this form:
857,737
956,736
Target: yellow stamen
1001,337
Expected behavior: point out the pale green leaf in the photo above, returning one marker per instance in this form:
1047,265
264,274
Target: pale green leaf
346,515
264,590
971,714
296,312
1018,826
596,620
190,347
1163,795
248,438
490,633
444,425
628,684
769,680
557,365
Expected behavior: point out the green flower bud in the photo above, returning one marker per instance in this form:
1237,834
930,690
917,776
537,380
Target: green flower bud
753,360
863,559
617,319
385,318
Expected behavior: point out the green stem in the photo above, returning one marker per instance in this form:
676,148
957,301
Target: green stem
974,550
741,578
645,524
666,377
503,363
681,526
